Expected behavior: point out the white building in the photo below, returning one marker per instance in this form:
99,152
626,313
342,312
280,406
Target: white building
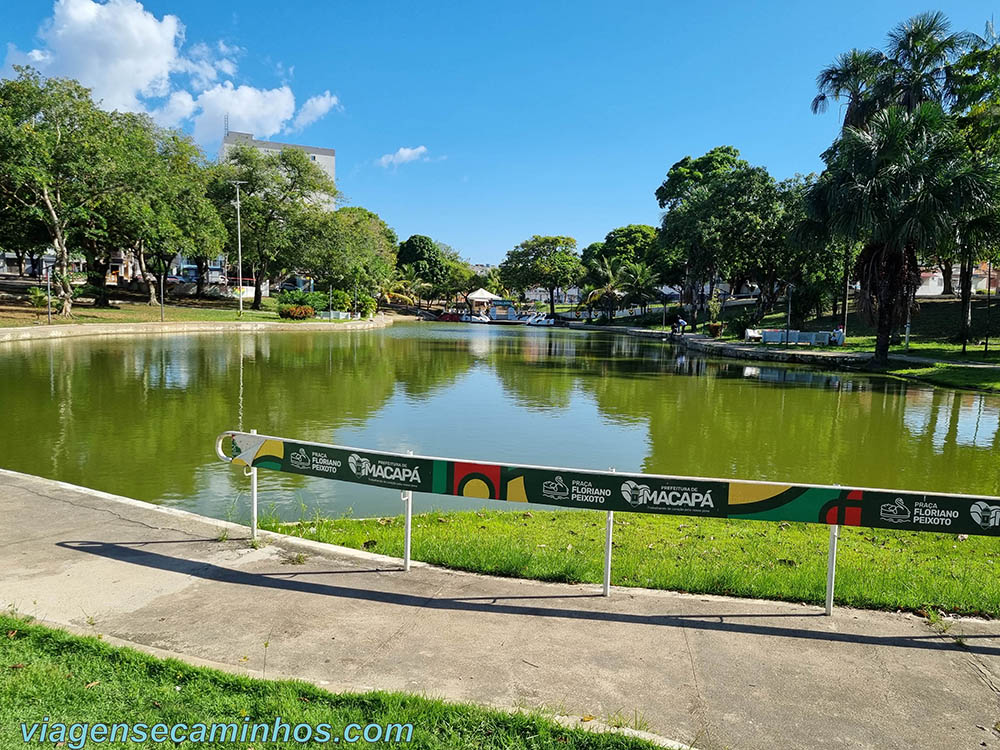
325,158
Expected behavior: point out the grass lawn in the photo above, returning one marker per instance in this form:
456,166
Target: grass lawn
16,314
876,569
931,332
50,673
951,375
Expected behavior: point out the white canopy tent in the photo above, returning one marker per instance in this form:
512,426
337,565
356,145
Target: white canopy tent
481,295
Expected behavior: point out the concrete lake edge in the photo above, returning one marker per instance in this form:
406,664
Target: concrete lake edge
76,330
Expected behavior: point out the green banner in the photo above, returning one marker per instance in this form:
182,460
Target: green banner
606,490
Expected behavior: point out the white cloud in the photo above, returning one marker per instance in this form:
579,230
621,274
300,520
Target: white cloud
137,62
314,108
117,48
262,112
403,155
179,107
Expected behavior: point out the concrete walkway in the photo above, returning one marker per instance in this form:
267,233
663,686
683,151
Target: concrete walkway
70,330
721,673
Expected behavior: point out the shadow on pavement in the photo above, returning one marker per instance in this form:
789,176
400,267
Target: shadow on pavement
711,622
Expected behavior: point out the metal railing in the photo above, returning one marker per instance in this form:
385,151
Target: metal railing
610,490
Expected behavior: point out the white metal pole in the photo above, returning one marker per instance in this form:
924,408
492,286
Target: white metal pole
48,294
407,497
239,245
253,499
607,549
607,553
831,567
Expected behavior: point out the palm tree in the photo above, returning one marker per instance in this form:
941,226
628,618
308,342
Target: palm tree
411,284
854,77
919,60
639,283
586,302
900,186
392,288
607,292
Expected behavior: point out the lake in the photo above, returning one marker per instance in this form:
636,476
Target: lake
138,416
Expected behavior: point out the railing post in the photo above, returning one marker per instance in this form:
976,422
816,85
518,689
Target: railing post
407,497
831,567
253,499
607,550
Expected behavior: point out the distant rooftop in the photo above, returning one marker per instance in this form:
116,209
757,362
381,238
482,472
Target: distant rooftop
235,137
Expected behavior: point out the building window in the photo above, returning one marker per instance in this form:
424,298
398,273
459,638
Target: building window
313,157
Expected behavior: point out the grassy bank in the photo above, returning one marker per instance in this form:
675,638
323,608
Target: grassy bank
50,673
15,314
876,569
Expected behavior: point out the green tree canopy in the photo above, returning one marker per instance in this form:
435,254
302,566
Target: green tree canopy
279,201
548,262
425,256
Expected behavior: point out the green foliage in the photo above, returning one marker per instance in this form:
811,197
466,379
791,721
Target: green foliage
591,253
341,300
687,174
296,312
37,297
634,242
714,307
367,305
738,324
316,300
548,262
281,204
425,256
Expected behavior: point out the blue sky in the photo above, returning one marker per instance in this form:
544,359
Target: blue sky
535,117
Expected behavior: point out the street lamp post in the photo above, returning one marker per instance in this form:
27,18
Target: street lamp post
48,293
239,245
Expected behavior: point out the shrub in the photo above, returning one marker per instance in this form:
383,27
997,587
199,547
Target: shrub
738,324
367,305
37,297
296,312
714,307
341,300
315,300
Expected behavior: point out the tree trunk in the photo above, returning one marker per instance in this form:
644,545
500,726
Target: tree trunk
146,274
552,300
258,294
946,274
97,275
965,281
202,265
63,283
884,333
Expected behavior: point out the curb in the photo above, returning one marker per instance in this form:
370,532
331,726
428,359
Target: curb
76,330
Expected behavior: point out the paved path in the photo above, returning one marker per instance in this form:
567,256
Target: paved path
69,330
722,673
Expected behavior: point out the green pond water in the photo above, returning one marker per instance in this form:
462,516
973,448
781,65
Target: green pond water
139,416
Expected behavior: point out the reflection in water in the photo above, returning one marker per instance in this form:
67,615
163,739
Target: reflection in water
138,417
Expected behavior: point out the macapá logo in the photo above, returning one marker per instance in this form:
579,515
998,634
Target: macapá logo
365,468
677,497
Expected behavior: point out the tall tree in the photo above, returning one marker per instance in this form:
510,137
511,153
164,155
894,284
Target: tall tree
60,156
280,192
629,243
548,262
898,186
424,255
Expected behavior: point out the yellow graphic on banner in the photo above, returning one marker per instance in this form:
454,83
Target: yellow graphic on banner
741,494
